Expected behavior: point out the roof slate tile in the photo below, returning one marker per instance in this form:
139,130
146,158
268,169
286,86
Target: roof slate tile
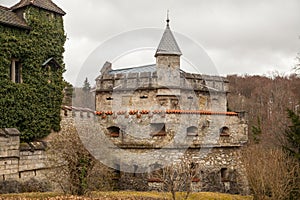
44,4
168,44
8,17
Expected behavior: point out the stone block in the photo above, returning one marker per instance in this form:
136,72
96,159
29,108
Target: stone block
145,74
12,176
12,131
131,83
132,76
27,174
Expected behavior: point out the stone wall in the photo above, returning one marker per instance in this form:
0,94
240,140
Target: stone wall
220,168
131,140
21,163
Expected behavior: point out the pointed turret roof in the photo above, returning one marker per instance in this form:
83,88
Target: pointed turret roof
44,4
168,44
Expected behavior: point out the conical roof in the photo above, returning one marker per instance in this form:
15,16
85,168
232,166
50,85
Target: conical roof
168,44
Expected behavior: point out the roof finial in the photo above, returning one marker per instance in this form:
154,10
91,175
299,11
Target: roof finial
168,20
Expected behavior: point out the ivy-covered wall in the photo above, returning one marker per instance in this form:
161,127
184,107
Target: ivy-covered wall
32,106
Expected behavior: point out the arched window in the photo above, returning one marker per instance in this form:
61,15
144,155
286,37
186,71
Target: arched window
114,131
224,131
192,131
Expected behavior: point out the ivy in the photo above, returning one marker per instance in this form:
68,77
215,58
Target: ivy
34,105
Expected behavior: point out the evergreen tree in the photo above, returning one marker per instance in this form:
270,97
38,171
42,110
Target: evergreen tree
86,85
292,134
256,131
83,96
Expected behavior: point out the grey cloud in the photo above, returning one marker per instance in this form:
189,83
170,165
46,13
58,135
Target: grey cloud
240,36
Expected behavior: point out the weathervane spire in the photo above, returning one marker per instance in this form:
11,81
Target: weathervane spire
168,20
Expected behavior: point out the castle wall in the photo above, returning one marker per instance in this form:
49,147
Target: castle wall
20,163
215,153
24,162
9,152
138,128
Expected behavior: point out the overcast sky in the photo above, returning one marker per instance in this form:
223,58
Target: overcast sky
240,37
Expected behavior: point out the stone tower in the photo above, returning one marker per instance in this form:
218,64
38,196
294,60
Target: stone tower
31,62
168,60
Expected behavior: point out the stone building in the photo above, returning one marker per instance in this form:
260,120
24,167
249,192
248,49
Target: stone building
32,41
31,66
162,108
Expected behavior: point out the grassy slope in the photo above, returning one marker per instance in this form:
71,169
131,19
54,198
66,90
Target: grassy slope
125,196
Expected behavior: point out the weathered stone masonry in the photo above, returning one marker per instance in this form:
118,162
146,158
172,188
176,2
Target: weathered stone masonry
160,106
220,168
140,110
19,163
23,162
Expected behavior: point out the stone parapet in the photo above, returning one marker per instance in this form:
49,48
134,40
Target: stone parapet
149,80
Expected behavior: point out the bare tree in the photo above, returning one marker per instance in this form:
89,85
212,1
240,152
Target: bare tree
178,177
72,167
266,106
272,174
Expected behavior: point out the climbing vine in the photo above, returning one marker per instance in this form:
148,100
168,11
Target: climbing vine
32,106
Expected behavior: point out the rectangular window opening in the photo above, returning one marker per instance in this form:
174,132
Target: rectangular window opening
224,175
158,129
16,71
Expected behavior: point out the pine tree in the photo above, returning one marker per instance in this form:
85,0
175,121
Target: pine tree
86,85
68,94
256,131
292,134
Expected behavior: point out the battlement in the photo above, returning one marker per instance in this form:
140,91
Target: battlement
150,80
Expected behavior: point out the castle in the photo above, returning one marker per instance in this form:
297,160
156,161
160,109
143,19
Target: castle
155,114
150,115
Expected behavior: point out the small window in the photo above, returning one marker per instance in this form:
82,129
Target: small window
117,172
158,129
109,98
192,131
224,131
114,131
144,97
50,16
224,175
193,166
135,167
24,16
16,71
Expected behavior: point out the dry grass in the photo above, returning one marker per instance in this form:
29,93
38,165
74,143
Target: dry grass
128,195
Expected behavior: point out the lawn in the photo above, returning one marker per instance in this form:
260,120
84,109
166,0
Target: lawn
124,195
